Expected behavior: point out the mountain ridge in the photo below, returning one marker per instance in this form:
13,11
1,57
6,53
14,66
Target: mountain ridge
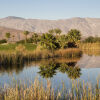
87,26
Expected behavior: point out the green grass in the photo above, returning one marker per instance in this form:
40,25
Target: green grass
21,53
11,47
30,46
7,47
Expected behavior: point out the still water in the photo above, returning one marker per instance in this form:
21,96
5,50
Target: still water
85,68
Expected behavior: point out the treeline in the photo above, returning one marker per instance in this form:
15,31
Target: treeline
92,39
72,36
51,40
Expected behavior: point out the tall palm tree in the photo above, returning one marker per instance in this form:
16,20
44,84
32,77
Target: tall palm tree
35,38
26,33
48,41
74,37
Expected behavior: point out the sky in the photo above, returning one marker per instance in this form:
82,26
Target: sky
50,9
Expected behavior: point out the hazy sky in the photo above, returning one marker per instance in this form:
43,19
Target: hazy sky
50,9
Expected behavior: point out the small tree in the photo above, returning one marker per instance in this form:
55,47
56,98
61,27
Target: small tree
26,33
90,39
7,35
57,31
73,37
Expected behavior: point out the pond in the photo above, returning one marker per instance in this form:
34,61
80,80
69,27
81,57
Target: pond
57,70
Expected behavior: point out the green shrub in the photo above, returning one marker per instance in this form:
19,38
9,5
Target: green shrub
92,39
30,46
3,41
8,47
21,41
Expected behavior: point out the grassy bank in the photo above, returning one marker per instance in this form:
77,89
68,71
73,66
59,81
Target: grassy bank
12,47
79,91
22,55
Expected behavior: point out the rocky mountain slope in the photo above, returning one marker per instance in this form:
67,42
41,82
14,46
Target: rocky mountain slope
87,26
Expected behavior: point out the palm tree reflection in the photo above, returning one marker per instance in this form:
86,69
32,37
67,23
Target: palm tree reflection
49,70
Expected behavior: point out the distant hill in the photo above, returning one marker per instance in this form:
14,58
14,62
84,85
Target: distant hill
17,33
87,26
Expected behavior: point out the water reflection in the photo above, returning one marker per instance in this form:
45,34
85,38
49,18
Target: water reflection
91,52
57,70
10,69
49,70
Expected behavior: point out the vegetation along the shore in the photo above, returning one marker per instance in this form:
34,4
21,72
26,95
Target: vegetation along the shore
50,45
47,45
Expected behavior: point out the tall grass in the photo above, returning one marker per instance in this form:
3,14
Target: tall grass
92,52
22,55
68,53
36,91
89,46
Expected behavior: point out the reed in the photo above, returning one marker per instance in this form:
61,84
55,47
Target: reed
36,91
89,46
92,52
68,53
21,55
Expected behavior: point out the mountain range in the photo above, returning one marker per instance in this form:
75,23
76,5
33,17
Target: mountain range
15,25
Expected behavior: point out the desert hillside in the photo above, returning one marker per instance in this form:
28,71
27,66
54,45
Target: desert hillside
18,34
87,26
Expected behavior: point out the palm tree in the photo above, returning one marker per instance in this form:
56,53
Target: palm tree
7,35
57,31
26,33
48,41
63,41
35,38
74,36
51,31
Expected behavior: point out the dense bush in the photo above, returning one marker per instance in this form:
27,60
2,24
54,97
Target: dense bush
51,41
21,41
30,40
48,41
3,41
92,39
